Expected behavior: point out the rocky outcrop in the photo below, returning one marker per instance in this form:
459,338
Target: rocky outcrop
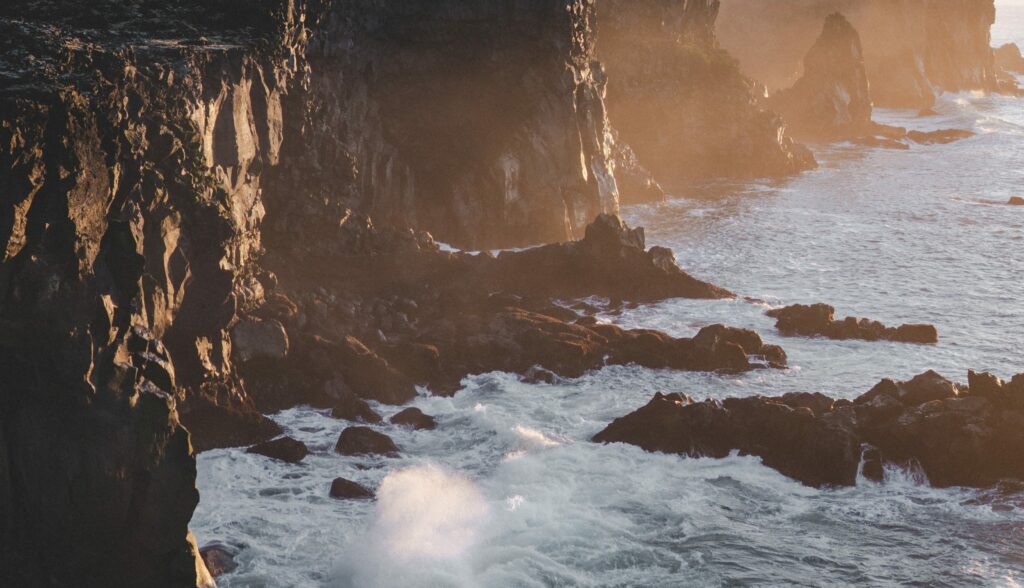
957,436
818,320
914,49
681,102
833,98
414,417
285,449
1009,59
343,489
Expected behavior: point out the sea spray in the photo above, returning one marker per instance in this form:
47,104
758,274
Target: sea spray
427,521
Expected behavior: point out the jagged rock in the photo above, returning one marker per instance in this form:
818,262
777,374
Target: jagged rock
819,320
681,102
1009,58
636,184
940,137
957,436
259,339
833,98
220,558
414,417
365,441
348,490
284,449
352,408
913,50
818,451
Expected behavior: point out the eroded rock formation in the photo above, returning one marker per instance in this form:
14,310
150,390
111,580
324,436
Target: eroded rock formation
914,49
681,102
957,436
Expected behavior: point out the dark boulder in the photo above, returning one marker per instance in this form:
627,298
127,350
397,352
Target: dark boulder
348,490
352,408
365,441
414,417
284,449
818,320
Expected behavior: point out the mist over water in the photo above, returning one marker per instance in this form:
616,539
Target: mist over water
509,492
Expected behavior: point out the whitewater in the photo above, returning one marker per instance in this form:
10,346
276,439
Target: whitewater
508,491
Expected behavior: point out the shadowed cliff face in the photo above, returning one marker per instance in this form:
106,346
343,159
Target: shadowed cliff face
913,49
482,122
681,102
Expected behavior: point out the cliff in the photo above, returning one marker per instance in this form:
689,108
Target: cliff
833,98
680,101
914,49
158,157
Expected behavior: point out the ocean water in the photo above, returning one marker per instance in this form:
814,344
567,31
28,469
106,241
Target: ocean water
509,492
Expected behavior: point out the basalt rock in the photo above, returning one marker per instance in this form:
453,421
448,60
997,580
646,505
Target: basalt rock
681,102
284,449
818,320
348,490
365,441
414,417
964,436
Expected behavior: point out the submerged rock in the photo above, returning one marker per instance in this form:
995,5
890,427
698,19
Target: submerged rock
1016,201
971,436
348,490
285,449
819,320
414,417
365,441
940,137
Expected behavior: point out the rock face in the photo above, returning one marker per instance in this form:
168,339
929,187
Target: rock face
818,320
913,49
957,436
481,122
681,102
1009,58
833,98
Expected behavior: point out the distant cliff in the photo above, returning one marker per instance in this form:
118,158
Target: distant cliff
681,102
914,49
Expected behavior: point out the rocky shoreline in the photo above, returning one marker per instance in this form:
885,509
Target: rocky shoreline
215,211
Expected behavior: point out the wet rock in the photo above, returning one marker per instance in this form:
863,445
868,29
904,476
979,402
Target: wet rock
220,558
538,375
414,417
880,142
940,137
365,441
1016,201
818,320
352,408
259,339
818,451
965,437
284,449
343,489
